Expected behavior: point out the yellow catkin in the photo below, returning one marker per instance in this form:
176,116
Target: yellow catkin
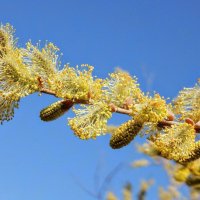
16,78
194,167
125,134
111,196
169,194
90,121
194,155
144,186
120,86
2,44
153,110
187,104
181,174
178,143
6,38
2,39
127,192
55,110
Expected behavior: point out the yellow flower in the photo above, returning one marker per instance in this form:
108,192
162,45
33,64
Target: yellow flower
111,196
15,75
152,110
7,40
144,186
188,103
177,142
170,193
8,102
127,192
181,173
16,79
194,167
43,62
90,121
120,86
78,84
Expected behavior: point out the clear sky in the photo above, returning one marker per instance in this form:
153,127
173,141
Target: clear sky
157,40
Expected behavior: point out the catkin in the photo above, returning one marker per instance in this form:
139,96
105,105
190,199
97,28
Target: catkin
127,192
111,196
55,110
3,39
194,155
181,174
3,42
125,134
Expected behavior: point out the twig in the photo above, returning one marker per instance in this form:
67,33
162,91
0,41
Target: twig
197,127
114,108
99,195
83,187
165,123
46,91
108,179
97,175
42,89
76,101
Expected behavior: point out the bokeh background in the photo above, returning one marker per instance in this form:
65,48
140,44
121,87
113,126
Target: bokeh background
157,41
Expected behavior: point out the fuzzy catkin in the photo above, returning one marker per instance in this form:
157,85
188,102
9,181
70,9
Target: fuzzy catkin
181,174
194,155
127,192
3,42
55,110
125,134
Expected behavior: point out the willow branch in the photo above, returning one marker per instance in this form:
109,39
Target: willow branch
47,91
76,101
162,124
165,123
114,108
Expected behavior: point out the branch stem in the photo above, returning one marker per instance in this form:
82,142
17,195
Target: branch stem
47,91
164,123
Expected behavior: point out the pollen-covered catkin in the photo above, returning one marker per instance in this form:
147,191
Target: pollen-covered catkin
127,192
55,110
125,134
6,37
111,196
178,143
2,44
2,39
194,155
181,174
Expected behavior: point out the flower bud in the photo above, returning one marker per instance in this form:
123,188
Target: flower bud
55,110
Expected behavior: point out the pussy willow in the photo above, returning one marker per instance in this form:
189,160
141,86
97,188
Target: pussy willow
185,173
172,127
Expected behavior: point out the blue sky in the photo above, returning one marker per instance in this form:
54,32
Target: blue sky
158,41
